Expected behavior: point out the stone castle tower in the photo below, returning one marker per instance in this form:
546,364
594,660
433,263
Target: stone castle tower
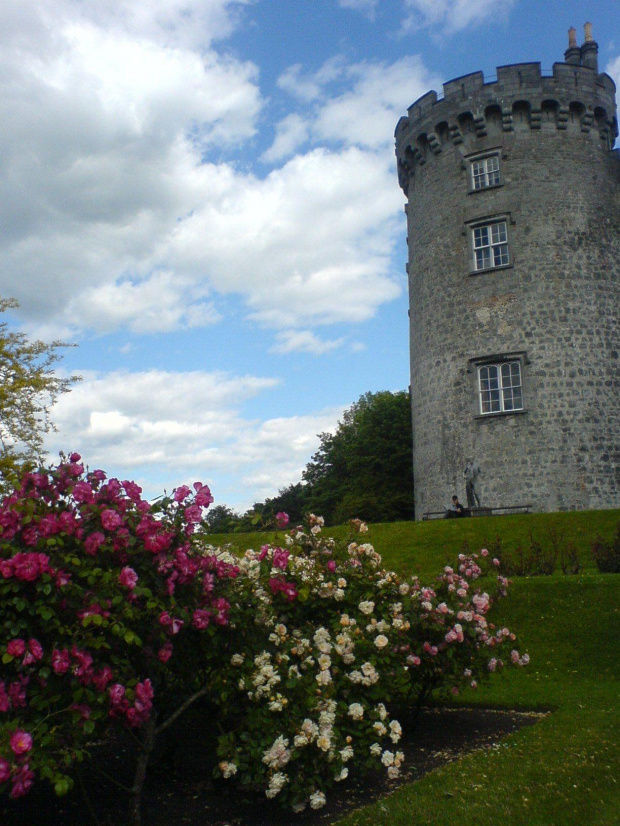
514,254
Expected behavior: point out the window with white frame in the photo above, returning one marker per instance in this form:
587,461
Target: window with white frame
485,172
490,245
500,387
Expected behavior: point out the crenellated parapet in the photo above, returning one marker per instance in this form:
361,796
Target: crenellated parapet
575,97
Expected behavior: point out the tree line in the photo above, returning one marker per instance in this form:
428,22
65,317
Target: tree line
362,470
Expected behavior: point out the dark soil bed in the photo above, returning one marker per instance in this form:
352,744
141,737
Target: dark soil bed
182,792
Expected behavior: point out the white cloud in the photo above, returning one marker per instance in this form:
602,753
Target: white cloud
187,23
366,7
354,104
450,16
158,304
304,341
366,115
291,132
119,211
613,70
172,428
100,134
309,244
309,87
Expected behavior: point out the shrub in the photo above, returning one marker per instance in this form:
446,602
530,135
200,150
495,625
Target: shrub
108,618
326,643
607,554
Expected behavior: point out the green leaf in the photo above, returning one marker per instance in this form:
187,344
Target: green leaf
61,787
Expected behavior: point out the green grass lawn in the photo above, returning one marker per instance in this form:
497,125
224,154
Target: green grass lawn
425,547
565,770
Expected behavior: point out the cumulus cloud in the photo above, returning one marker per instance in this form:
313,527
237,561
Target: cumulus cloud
308,87
304,341
355,104
170,428
366,7
126,207
117,213
291,132
100,135
613,70
450,16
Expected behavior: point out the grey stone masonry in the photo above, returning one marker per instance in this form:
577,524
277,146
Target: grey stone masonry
513,218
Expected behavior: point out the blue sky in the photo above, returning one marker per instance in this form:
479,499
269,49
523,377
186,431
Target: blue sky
202,195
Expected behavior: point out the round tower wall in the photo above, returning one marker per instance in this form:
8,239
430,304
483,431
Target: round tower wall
551,306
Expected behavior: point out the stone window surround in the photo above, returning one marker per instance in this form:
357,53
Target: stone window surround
497,359
487,220
492,152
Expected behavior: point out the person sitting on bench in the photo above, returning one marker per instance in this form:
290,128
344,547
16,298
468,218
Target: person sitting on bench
456,510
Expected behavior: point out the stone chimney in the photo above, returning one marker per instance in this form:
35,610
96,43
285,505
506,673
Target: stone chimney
589,50
573,53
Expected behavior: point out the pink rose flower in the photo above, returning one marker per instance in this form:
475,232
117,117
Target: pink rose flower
6,568
280,558
181,494
17,692
282,519
35,652
16,648
117,693
110,519
203,495
201,619
20,742
193,514
128,578
5,770
165,652
22,781
30,566
5,703
93,542
102,678
83,492
132,490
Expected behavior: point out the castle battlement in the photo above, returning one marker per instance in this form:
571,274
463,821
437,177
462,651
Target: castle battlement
575,95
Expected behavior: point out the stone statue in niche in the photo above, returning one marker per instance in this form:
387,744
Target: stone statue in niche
471,473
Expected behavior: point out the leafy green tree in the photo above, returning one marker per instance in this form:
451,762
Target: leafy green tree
222,519
291,500
364,469
28,389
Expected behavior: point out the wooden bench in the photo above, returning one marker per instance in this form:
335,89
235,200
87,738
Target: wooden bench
501,510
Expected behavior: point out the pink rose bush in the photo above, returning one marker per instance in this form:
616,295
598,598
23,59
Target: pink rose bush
106,611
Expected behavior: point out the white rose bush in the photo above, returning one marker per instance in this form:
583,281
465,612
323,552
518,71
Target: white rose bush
312,657
328,646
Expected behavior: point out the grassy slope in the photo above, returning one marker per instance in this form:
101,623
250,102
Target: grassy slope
424,547
565,771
